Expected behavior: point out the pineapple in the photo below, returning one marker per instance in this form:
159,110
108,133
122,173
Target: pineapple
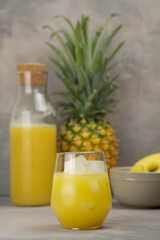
85,69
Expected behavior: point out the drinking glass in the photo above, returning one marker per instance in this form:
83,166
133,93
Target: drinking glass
81,196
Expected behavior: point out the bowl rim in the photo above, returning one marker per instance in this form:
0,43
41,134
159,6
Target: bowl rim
123,173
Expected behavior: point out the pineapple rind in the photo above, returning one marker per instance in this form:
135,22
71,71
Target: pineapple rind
84,136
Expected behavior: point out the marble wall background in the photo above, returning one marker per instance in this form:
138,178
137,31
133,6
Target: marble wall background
22,39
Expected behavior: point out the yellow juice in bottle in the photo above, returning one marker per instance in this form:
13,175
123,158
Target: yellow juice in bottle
81,201
32,160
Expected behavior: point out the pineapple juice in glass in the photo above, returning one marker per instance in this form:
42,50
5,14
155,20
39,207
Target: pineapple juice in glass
81,196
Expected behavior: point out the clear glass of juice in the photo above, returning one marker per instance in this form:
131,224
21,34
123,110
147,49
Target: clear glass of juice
81,196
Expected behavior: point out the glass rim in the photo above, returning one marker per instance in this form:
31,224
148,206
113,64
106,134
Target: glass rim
91,152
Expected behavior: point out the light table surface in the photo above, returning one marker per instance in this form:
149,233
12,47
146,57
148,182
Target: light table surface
40,223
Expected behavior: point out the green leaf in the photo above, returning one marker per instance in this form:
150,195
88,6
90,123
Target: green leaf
68,52
112,53
109,39
106,102
70,87
60,55
66,71
64,94
59,65
108,90
79,45
97,63
106,81
99,37
92,95
79,35
66,19
70,41
48,27
88,40
54,33
94,41
111,67
65,105
87,81
81,79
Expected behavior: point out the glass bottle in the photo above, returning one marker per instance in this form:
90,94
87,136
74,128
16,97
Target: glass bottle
32,138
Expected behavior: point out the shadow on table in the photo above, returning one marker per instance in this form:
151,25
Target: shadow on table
48,228
60,229
117,205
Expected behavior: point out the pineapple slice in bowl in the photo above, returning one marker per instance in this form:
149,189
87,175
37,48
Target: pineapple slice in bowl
150,163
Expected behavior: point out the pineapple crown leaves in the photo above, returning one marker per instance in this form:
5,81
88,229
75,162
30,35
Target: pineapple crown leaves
85,68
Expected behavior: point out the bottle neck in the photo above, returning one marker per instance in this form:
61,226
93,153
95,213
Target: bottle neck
32,82
31,90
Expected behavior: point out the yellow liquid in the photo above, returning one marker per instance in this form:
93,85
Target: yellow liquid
32,160
81,201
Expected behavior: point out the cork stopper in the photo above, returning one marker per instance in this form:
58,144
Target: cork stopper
33,74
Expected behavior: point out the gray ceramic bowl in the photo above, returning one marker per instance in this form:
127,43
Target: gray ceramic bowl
136,189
